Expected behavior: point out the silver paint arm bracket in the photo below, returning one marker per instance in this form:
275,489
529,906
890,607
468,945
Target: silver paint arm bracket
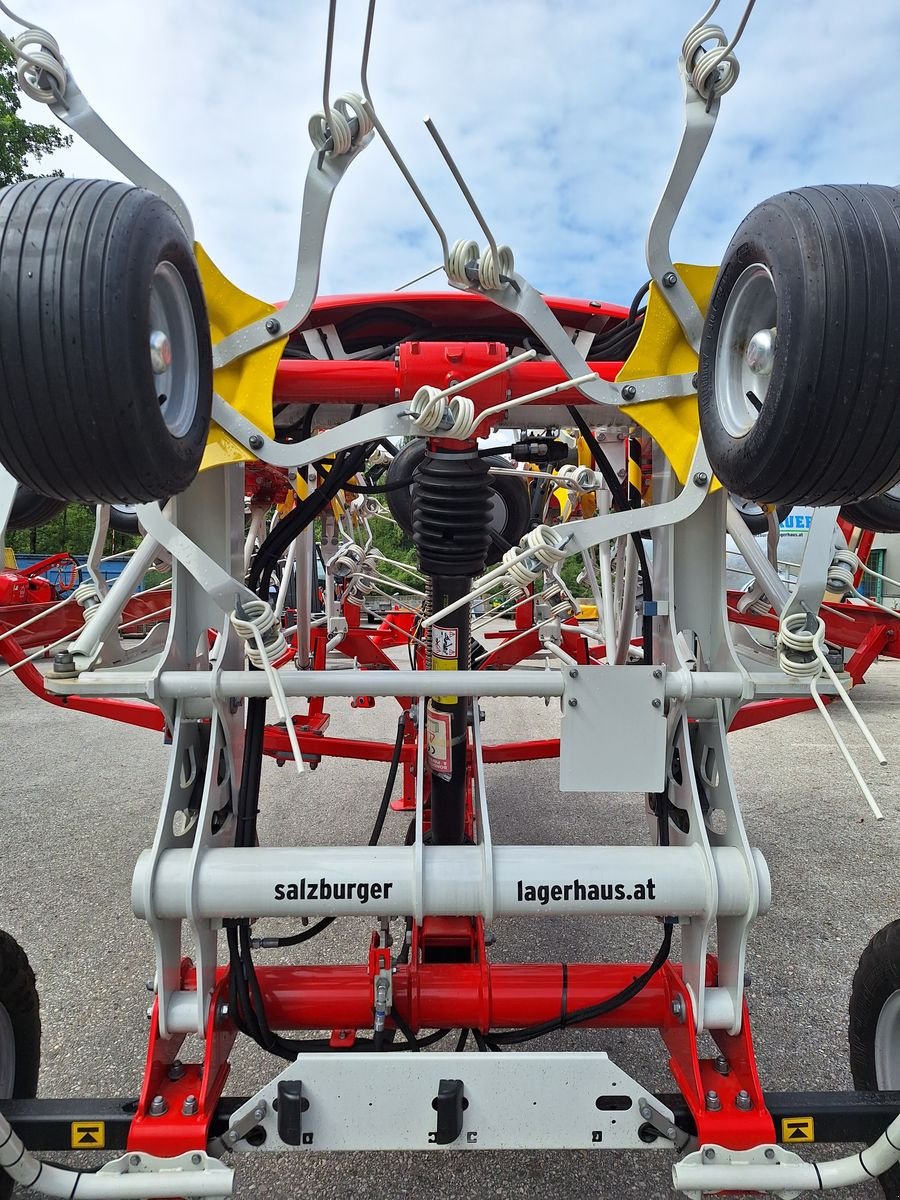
699,122
75,111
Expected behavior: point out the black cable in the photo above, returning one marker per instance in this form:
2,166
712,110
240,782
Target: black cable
639,295
389,785
412,1040
374,489
592,1012
621,504
306,935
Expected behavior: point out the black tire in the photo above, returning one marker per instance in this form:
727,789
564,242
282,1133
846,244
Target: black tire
756,520
510,500
20,1025
880,514
877,978
87,270
123,519
819,268
30,510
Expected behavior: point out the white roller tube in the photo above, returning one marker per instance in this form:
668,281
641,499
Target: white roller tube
525,881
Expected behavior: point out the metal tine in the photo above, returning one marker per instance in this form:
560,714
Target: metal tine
702,21
392,149
329,50
463,187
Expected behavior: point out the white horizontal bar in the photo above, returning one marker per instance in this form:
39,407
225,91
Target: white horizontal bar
176,685
527,880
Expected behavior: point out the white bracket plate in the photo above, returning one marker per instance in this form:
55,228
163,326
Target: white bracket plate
540,1101
613,730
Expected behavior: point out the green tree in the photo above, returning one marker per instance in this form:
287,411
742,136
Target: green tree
21,142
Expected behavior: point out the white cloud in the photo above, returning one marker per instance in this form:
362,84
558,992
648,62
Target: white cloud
564,117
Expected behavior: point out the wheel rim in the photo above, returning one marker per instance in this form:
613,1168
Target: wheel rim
750,508
745,352
174,356
7,1055
887,1045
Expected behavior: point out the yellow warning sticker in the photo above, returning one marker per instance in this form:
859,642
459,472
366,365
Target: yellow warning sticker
88,1135
798,1129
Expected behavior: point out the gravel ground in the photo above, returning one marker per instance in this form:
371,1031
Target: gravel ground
81,802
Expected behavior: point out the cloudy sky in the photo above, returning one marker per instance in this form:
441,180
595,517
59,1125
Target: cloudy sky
564,117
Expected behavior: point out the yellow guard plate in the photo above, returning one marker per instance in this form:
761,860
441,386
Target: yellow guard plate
245,383
661,349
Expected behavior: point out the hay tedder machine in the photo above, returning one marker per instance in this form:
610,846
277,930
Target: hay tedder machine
261,446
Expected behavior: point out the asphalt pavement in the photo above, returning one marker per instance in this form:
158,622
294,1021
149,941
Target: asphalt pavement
80,801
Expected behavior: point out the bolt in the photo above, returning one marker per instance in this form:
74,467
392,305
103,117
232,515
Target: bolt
256,442
573,673
770,1153
671,1133
742,1101
272,325
158,1106
645,1110
232,1136
573,703
135,1160
669,279
196,1159
657,674
656,702
701,479
64,663
489,937
150,985
713,1103
678,1008
149,1013
629,391
160,352
260,1111
721,1064
190,1106
176,1070
709,1153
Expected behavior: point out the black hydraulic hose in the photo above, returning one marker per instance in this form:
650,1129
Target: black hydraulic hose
306,935
592,1012
620,502
633,310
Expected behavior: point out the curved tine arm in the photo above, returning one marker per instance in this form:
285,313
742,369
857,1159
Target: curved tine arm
529,305
75,111
698,127
322,178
